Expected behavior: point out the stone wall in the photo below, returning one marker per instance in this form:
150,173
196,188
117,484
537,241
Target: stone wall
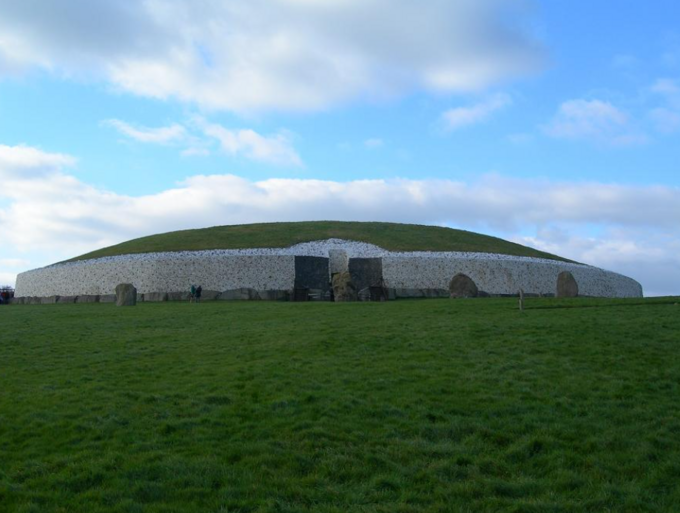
413,274
166,273
503,276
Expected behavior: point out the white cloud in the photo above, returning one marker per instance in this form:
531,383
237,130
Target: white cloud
28,162
667,87
54,214
160,135
274,149
374,143
665,120
13,262
464,116
195,151
7,279
264,54
593,120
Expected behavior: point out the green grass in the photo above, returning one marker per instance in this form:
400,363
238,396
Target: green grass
406,406
391,236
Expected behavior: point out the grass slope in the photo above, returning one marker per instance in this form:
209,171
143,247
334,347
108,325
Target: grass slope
406,406
391,236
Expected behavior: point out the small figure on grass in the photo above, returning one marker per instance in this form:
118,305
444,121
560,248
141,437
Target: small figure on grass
199,290
192,291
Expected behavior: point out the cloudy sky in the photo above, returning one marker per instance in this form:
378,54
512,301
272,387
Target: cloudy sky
553,124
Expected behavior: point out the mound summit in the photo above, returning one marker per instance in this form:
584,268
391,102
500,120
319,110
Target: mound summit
389,236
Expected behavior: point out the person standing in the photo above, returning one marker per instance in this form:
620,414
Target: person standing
199,290
192,290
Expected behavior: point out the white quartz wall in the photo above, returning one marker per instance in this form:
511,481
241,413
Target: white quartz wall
166,273
274,269
504,275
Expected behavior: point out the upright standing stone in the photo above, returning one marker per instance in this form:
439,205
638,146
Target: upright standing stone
343,288
338,261
126,294
462,285
566,285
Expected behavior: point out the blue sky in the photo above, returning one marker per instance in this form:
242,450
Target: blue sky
554,124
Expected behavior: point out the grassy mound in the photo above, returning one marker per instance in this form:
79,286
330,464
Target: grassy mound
390,236
406,406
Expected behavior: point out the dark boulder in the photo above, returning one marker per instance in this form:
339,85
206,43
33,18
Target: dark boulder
462,285
126,294
566,285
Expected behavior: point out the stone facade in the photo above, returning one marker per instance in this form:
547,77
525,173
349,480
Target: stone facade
504,276
271,273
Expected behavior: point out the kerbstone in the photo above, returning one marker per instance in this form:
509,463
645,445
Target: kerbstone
88,298
155,297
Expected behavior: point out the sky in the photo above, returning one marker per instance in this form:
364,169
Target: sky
552,124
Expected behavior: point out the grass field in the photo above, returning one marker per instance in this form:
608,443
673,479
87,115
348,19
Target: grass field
391,236
406,406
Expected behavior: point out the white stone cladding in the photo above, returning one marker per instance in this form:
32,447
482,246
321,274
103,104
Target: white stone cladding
274,269
503,276
163,272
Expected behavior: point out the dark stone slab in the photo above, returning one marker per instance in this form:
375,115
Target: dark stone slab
312,273
89,298
155,297
230,295
274,295
180,296
107,298
417,293
242,294
68,299
210,295
366,272
300,294
377,294
49,300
